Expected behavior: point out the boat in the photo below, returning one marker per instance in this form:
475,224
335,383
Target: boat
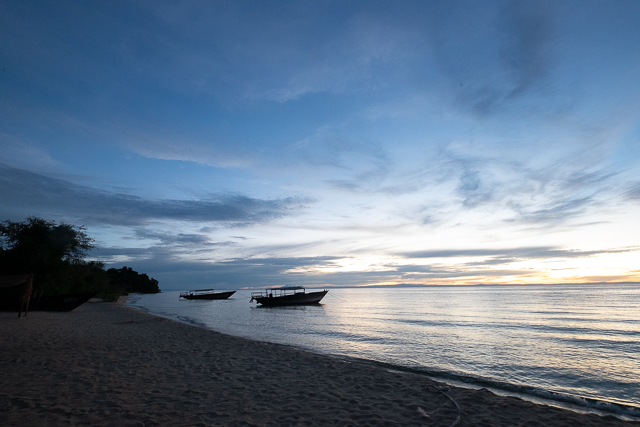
17,294
287,295
62,302
206,294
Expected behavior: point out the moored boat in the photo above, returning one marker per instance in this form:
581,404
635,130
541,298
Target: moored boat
206,294
17,294
287,295
61,302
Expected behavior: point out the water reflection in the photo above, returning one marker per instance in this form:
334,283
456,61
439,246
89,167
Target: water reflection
580,340
289,307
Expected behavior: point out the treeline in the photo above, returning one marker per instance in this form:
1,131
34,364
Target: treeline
55,253
127,280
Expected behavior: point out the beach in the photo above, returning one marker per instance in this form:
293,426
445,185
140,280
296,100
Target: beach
108,364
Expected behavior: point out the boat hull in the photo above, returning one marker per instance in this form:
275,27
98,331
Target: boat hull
64,302
218,295
295,299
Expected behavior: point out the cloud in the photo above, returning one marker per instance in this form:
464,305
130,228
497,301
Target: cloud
526,52
352,164
211,153
505,54
472,190
255,273
508,255
567,194
235,273
363,53
530,184
26,193
457,273
634,192
261,272
554,212
23,153
168,239
246,51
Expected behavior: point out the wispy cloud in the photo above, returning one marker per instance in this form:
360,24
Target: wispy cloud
555,212
21,153
535,252
634,192
234,273
529,31
211,153
27,193
509,55
472,189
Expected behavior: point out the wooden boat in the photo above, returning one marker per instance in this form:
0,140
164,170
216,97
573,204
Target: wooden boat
62,302
16,294
287,295
206,294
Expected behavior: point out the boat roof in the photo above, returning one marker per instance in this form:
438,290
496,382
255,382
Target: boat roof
286,288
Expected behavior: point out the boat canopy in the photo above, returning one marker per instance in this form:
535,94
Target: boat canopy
286,288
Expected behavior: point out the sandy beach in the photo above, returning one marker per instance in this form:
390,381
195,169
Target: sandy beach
107,364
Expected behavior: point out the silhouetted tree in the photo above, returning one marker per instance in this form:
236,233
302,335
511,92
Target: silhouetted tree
128,280
54,253
37,244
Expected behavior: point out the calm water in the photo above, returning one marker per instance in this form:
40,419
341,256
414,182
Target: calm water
574,343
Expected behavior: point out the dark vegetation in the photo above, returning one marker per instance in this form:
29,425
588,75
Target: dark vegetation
128,280
55,255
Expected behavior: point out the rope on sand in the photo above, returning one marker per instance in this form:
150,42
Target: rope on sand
443,391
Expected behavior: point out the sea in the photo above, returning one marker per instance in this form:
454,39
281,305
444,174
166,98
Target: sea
574,346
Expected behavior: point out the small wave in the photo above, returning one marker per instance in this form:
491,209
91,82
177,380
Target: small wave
584,402
190,321
167,315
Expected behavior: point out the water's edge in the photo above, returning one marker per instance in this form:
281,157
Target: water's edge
532,394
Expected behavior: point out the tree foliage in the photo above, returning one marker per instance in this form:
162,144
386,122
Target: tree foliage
132,281
55,254
40,243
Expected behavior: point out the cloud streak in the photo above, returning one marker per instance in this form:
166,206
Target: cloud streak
508,255
527,50
26,193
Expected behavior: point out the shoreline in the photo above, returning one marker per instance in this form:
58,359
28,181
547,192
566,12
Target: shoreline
110,364
571,402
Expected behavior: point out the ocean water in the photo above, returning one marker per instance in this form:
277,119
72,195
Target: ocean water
578,344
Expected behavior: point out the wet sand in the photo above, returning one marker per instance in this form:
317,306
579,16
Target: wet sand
106,364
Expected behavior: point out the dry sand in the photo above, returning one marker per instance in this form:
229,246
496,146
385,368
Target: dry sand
107,364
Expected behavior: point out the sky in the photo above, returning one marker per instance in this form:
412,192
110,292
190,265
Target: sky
249,144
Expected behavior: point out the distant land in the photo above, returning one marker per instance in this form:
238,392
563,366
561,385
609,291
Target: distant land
414,285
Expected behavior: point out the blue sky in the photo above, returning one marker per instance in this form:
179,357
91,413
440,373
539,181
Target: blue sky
329,143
